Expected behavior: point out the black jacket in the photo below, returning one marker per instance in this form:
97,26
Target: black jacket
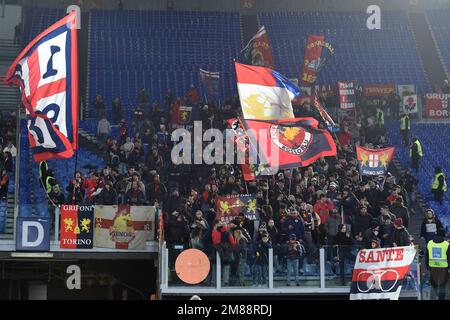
400,237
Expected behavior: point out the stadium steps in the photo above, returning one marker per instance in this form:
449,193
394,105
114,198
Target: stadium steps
432,62
9,50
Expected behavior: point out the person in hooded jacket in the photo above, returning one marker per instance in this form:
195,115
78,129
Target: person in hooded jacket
386,231
400,211
400,236
430,225
343,243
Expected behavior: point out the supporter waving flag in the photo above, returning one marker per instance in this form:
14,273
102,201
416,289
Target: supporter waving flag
47,73
264,93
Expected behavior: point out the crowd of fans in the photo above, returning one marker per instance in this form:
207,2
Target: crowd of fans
325,204
8,151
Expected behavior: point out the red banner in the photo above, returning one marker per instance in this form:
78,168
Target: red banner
258,51
311,62
347,95
436,105
378,90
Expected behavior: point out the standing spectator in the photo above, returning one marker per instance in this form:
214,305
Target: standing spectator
10,148
108,196
103,130
438,185
371,239
437,259
135,196
343,242
400,236
117,110
17,33
430,226
362,222
295,253
123,131
99,107
385,214
323,207
56,198
400,211
415,153
225,244
404,128
386,231
156,191
294,224
242,243
120,5
7,162
409,184
192,95
332,226
261,265
4,182
75,193
344,137
168,99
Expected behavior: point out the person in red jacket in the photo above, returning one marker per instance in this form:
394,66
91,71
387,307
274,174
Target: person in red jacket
225,244
344,136
90,184
323,207
4,181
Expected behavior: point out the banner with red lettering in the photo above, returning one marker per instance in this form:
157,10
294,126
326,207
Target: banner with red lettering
380,273
436,105
347,95
311,62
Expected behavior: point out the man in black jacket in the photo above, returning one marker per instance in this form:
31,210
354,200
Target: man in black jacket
409,184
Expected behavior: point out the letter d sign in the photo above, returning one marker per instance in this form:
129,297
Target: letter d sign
33,234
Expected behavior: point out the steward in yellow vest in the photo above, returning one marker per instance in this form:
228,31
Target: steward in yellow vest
438,185
437,261
404,128
415,152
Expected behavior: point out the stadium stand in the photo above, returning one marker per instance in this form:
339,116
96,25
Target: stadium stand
388,55
158,50
434,140
440,27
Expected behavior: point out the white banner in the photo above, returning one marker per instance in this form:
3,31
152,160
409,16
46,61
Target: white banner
380,273
410,104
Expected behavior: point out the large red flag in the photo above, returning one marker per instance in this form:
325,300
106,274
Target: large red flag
289,143
258,51
47,73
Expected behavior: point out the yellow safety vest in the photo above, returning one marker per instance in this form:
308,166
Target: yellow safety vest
380,116
42,167
419,149
403,123
437,254
435,183
48,187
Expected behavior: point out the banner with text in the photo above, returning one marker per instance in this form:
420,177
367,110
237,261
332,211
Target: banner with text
380,273
311,62
347,95
76,231
436,105
228,207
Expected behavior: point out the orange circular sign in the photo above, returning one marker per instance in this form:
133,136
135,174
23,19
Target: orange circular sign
192,266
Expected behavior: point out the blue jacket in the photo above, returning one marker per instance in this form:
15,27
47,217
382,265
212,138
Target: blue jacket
298,227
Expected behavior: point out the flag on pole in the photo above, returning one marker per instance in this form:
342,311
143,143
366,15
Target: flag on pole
46,72
374,162
210,81
264,93
258,51
289,143
323,113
